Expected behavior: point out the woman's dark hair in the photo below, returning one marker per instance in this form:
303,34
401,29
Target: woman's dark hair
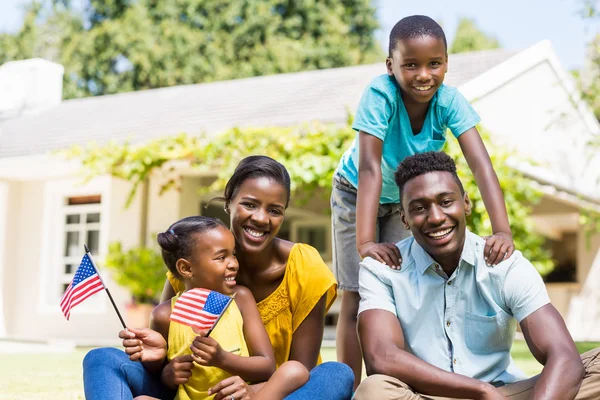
257,167
178,241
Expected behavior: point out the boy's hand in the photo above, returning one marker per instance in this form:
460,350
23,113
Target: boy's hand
498,248
206,351
386,253
178,371
144,345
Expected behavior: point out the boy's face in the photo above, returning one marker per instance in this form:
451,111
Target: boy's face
419,66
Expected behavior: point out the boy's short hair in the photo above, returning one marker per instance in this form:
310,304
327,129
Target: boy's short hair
423,163
415,26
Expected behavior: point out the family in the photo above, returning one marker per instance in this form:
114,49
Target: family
430,307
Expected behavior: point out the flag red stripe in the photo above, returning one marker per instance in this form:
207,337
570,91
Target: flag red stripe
185,307
201,325
82,287
84,295
192,317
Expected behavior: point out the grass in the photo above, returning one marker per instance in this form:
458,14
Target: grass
59,376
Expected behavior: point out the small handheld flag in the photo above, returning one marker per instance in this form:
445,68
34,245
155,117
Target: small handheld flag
86,282
200,308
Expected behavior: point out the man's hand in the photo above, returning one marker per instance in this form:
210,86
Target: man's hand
232,386
144,345
498,248
386,253
206,351
178,371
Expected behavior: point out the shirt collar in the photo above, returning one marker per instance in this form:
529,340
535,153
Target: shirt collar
423,260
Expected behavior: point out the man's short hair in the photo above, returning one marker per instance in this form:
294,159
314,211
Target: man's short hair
423,163
413,27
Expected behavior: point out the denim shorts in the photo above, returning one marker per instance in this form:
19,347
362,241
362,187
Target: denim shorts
346,261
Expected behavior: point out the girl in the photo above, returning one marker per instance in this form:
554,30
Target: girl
294,289
200,252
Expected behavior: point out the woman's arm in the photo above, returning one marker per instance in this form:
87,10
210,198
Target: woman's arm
306,341
261,363
367,202
480,164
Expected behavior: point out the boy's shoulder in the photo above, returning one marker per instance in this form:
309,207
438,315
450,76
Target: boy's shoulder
446,95
384,84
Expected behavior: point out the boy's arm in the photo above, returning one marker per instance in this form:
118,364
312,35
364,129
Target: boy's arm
367,202
563,370
500,246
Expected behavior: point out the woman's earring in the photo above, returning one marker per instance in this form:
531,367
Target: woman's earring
407,227
226,209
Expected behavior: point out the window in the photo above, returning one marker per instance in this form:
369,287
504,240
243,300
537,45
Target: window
82,215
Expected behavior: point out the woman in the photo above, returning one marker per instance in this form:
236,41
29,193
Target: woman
290,282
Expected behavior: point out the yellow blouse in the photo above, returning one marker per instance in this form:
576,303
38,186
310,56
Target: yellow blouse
306,279
228,332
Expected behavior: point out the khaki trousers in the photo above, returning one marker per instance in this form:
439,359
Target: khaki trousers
382,387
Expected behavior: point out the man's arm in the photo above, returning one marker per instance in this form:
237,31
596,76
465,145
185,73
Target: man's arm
382,343
563,370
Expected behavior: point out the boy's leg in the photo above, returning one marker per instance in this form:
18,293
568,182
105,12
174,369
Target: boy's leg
108,374
345,266
391,228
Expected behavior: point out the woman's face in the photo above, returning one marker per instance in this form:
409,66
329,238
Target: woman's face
257,212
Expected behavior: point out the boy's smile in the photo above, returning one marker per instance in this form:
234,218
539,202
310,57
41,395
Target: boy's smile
419,66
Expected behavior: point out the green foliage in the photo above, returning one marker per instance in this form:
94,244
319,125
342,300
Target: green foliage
124,45
469,37
311,154
140,269
519,195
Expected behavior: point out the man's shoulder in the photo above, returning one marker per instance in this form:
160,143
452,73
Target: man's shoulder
383,271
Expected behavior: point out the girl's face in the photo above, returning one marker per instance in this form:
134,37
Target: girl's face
257,212
419,66
213,264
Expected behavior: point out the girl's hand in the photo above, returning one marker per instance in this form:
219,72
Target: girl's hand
144,345
232,386
178,371
206,351
498,248
386,253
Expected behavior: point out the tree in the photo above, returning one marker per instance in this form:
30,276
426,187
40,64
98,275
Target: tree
127,45
311,154
469,37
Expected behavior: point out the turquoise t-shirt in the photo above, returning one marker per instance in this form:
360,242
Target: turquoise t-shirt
381,113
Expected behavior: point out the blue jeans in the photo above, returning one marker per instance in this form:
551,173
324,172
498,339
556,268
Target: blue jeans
108,374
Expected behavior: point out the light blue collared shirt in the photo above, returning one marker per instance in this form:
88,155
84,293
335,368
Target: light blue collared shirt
464,323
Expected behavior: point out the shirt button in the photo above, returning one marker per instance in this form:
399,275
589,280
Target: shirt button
449,282
447,323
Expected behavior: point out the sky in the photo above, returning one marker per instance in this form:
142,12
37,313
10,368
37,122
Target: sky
517,24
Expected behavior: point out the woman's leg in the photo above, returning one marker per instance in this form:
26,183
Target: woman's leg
108,374
330,380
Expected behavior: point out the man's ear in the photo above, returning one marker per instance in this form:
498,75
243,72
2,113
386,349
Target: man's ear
403,218
467,204
388,65
184,268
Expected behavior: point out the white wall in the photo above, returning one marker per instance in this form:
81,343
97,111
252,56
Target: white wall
4,188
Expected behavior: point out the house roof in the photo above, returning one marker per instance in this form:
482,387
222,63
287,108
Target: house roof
285,99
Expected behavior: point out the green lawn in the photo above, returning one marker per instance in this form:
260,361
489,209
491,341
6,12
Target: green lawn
58,376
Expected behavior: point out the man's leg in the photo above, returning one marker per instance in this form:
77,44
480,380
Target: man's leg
590,386
383,387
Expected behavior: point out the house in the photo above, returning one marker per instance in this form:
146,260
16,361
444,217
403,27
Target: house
524,98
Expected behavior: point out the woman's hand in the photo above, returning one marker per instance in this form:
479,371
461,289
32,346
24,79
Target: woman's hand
144,345
498,248
178,371
232,386
206,351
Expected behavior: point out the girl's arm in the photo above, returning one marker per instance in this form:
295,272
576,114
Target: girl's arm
367,202
500,245
261,363
168,292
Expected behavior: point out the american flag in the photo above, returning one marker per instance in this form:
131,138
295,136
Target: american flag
199,308
85,283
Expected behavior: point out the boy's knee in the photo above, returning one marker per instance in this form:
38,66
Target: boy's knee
381,387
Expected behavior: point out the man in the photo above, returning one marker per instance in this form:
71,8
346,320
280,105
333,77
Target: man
444,324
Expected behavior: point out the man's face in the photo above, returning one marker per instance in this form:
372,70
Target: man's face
435,210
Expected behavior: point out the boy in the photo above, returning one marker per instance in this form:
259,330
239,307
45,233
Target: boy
401,114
